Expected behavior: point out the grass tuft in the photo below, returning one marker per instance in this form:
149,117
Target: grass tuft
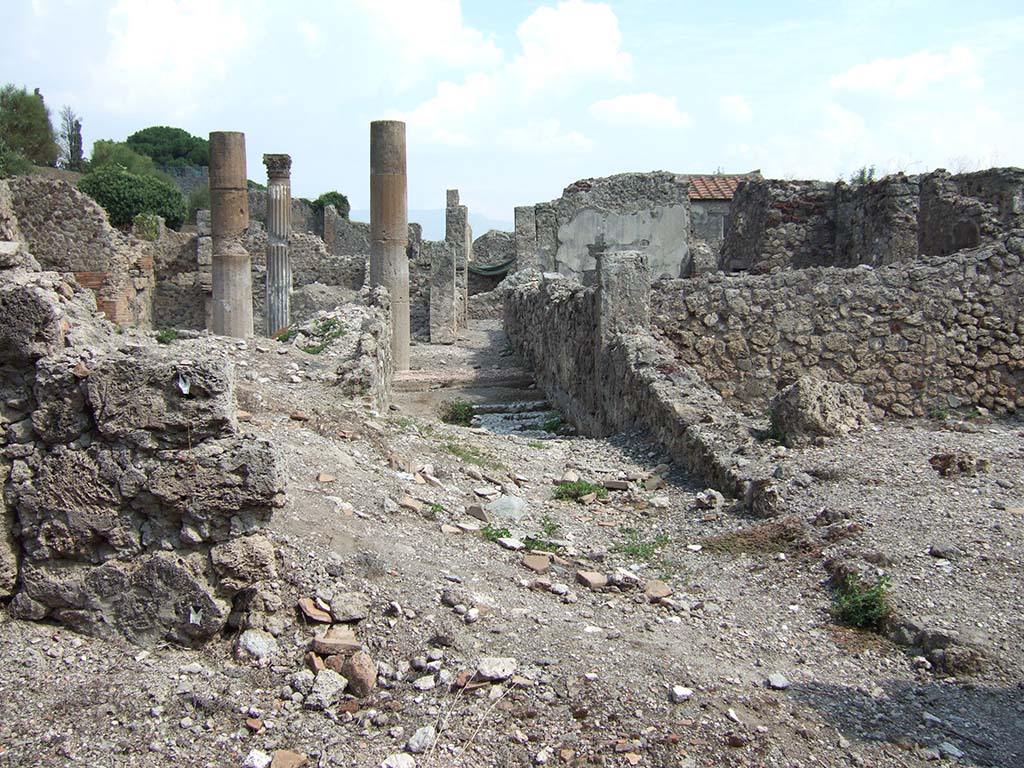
858,605
578,488
166,335
457,411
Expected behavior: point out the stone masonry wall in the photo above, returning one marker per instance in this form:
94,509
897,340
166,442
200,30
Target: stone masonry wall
492,247
68,231
597,362
795,224
131,501
917,336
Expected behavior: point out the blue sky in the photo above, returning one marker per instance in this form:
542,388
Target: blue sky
510,101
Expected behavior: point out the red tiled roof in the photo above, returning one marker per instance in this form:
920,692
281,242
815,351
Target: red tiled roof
716,186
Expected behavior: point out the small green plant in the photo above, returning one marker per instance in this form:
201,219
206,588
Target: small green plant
939,414
862,606
578,488
457,411
146,226
493,533
335,198
166,335
634,545
435,510
536,445
287,334
471,455
553,423
325,330
773,433
543,542
863,175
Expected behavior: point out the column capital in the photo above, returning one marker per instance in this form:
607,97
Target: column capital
278,166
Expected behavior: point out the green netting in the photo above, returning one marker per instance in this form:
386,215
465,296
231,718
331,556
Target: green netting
494,270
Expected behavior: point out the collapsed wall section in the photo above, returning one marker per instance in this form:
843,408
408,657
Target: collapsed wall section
131,499
917,336
67,231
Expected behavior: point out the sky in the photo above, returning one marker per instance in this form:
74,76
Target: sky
510,101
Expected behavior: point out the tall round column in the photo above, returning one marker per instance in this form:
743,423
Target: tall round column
229,213
389,229
279,227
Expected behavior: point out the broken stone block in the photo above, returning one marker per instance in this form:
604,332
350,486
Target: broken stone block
811,408
592,579
242,562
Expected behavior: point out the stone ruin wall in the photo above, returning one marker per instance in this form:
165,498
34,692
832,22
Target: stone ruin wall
68,232
132,501
632,211
594,357
492,247
796,224
917,336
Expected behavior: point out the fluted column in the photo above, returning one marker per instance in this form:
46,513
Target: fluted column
229,212
279,227
389,229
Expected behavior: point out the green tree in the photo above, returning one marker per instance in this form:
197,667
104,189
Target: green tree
338,200
12,162
25,125
106,152
124,195
169,146
70,140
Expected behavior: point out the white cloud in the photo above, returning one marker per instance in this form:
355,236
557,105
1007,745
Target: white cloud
168,53
568,45
421,34
572,41
911,75
735,108
649,109
544,136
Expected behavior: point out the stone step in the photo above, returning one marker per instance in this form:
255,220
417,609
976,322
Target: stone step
521,406
463,378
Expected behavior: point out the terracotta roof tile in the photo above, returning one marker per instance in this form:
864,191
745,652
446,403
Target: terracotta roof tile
716,186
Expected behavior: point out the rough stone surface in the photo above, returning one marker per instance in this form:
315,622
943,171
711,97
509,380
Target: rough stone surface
811,408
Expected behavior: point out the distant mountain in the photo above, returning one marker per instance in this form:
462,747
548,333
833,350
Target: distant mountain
432,221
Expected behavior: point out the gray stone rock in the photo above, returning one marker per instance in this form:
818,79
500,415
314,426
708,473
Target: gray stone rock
506,508
399,760
349,606
777,681
244,561
257,643
327,687
811,408
496,668
422,740
302,681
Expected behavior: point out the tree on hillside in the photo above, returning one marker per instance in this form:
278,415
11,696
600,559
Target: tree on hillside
70,140
106,152
25,125
170,146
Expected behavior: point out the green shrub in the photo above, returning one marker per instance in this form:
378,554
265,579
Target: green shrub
117,153
146,226
324,331
553,423
862,606
12,162
125,195
457,412
338,200
577,489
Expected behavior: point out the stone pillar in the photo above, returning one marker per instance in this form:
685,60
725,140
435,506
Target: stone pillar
389,229
279,227
526,237
623,293
229,211
442,294
547,237
459,237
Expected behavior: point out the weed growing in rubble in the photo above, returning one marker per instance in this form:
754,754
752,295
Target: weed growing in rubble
166,335
492,533
553,423
543,542
862,606
637,547
457,411
471,455
286,334
575,490
325,331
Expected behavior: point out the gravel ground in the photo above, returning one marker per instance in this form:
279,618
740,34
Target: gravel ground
604,677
